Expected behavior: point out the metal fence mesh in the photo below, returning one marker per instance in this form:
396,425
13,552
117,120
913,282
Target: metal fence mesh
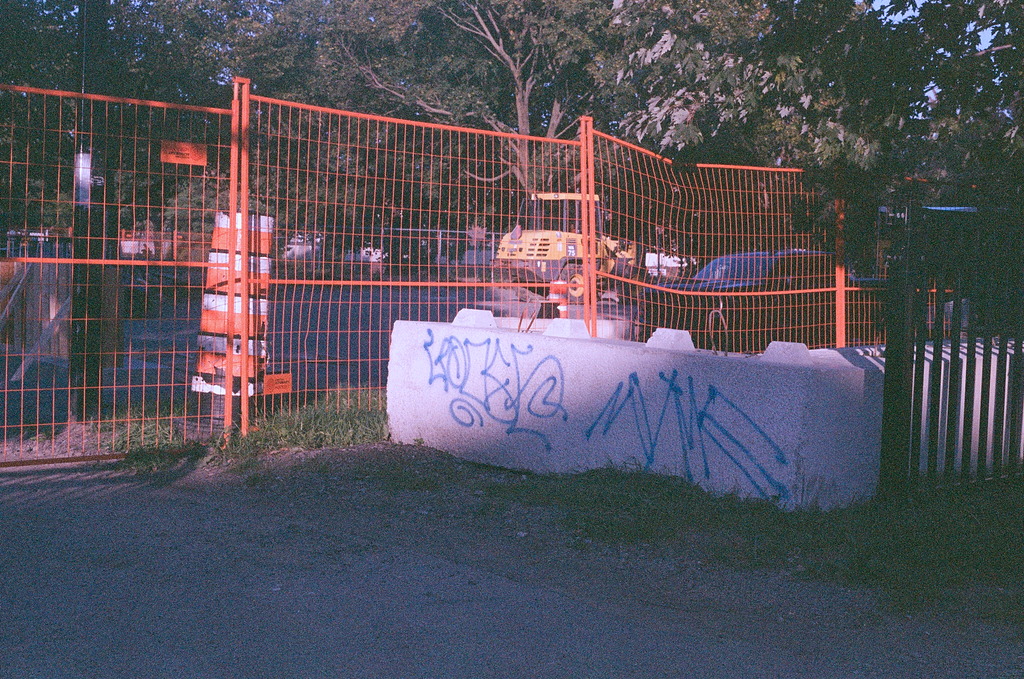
106,206
377,220
137,310
728,253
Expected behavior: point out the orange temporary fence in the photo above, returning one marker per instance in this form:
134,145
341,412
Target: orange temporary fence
729,252
100,329
343,223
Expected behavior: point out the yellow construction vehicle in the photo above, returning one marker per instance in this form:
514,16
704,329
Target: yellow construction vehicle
550,246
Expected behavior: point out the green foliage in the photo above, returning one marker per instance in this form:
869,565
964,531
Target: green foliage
971,148
838,87
815,83
971,50
160,457
140,432
151,439
40,45
332,421
508,64
914,550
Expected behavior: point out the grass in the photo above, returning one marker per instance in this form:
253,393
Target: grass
142,432
150,441
155,458
332,421
914,549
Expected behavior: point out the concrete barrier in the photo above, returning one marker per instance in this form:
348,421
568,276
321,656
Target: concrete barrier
798,427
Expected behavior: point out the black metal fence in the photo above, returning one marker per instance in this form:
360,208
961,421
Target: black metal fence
954,382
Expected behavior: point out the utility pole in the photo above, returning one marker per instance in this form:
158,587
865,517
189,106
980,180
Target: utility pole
95,288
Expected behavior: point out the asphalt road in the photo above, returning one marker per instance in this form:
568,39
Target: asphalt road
334,574
336,336
326,336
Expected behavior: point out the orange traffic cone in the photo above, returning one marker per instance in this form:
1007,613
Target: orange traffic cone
558,295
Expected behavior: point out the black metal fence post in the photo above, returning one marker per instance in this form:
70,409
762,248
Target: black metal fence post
897,392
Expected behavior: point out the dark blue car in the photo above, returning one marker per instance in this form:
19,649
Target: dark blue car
743,301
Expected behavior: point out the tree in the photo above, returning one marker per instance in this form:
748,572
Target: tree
41,44
972,146
783,82
527,66
188,50
866,95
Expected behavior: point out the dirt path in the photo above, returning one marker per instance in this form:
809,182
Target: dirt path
316,567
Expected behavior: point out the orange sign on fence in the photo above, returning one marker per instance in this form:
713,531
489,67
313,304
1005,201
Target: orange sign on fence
182,152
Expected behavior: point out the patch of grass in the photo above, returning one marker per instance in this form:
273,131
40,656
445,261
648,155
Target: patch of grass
330,422
151,459
934,541
138,427
42,432
611,505
427,471
151,442
914,549
142,432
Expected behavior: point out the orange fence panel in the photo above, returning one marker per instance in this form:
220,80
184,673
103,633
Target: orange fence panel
729,253
160,258
106,207
378,220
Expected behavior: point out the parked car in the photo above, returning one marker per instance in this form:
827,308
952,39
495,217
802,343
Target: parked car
743,301
304,245
367,261
668,266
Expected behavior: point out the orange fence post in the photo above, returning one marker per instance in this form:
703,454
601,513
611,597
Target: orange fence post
588,220
840,278
244,252
235,203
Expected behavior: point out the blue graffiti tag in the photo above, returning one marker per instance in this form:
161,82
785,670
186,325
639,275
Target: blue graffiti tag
701,429
503,383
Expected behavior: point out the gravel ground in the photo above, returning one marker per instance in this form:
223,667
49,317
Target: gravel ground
318,565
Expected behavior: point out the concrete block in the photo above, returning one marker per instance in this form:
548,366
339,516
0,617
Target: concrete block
789,353
800,435
613,329
567,327
475,318
677,340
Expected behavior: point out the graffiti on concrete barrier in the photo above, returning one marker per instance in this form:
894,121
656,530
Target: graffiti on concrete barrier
701,427
497,381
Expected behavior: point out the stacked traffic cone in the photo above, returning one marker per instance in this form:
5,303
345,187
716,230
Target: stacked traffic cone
223,327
